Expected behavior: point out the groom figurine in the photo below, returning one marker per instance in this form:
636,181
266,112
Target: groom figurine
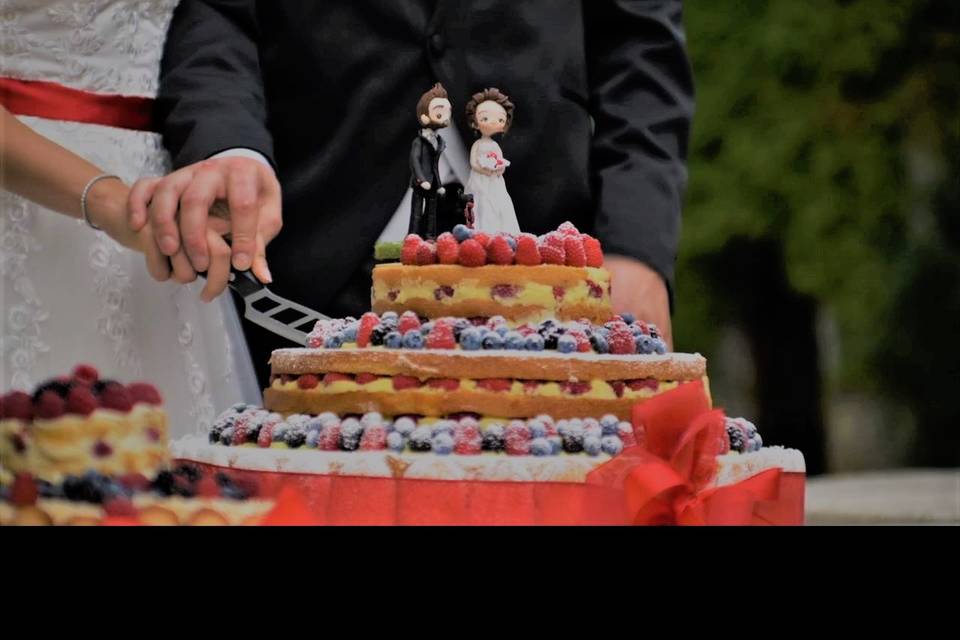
433,113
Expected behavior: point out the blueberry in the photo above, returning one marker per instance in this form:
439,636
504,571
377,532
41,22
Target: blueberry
426,328
755,443
372,419
533,342
404,426
420,439
471,340
413,339
492,341
493,439
592,445
512,242
226,436
442,444
611,445
659,346
566,344
556,445
592,431
629,318
502,330
537,428
609,423
599,343
443,426
350,332
462,233
393,340
315,425
653,331
645,344
334,341
389,316
396,442
514,340
313,438
541,447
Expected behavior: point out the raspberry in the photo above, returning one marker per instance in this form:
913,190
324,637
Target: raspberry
495,384
408,321
208,487
115,396
583,342
120,506
85,374
18,405
467,440
368,321
81,401
24,491
575,388
441,337
426,254
50,405
265,437
366,378
499,252
593,251
573,247
308,381
448,249
405,382
644,383
408,254
551,254
618,387
329,438
101,449
621,339
472,254
144,392
568,229
517,446
482,238
554,239
447,384
527,251
331,377
374,438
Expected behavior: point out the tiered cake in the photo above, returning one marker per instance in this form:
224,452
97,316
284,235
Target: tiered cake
484,358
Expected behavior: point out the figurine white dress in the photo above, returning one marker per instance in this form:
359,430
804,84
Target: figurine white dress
69,294
490,112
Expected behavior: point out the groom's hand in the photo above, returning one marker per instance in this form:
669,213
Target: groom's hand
640,290
177,209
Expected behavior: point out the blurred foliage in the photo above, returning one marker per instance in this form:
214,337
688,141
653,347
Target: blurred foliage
833,128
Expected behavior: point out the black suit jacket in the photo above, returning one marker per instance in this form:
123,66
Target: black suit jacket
425,163
327,91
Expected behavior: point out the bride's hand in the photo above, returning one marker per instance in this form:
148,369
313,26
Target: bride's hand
107,209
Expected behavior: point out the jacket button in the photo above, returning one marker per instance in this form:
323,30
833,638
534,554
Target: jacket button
437,44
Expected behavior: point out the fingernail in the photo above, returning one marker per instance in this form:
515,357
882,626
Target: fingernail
268,277
168,244
241,261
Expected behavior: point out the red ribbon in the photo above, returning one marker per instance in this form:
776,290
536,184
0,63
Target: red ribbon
57,102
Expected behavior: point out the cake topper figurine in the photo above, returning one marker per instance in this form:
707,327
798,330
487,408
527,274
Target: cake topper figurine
433,113
490,112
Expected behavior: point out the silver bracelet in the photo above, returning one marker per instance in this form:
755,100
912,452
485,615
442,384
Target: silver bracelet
86,192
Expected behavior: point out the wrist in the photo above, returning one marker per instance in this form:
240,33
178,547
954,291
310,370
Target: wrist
106,209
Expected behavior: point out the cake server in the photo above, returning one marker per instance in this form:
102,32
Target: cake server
266,309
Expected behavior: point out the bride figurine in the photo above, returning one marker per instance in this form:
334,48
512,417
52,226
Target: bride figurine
490,112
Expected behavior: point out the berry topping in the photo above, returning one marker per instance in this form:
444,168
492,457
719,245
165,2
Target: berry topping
408,254
413,339
592,251
144,392
374,438
115,396
448,249
308,381
50,405
494,438
85,374
420,439
393,340
24,491
462,233
527,252
499,251
442,444
368,322
482,239
472,254
621,339
101,449
551,254
568,229
408,322
441,337
426,254
575,255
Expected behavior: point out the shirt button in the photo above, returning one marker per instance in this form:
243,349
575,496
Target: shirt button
437,44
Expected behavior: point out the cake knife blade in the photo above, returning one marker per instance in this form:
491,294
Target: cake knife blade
298,319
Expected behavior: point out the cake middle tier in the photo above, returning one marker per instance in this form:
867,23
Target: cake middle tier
437,383
518,293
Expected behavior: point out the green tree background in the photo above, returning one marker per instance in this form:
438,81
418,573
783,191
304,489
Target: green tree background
827,138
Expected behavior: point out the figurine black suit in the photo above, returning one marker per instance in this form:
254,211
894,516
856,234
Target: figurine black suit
433,113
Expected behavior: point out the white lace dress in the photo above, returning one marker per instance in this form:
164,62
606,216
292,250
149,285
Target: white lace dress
70,294
492,204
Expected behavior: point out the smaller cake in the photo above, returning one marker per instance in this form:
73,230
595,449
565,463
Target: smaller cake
523,279
79,423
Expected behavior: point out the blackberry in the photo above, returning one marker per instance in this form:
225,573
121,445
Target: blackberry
550,340
420,439
48,489
59,387
378,334
738,441
164,483
100,385
493,438
189,471
217,429
295,438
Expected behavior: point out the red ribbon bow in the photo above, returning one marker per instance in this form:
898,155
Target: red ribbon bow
666,479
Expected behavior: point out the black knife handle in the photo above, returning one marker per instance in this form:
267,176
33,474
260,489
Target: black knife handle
243,282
